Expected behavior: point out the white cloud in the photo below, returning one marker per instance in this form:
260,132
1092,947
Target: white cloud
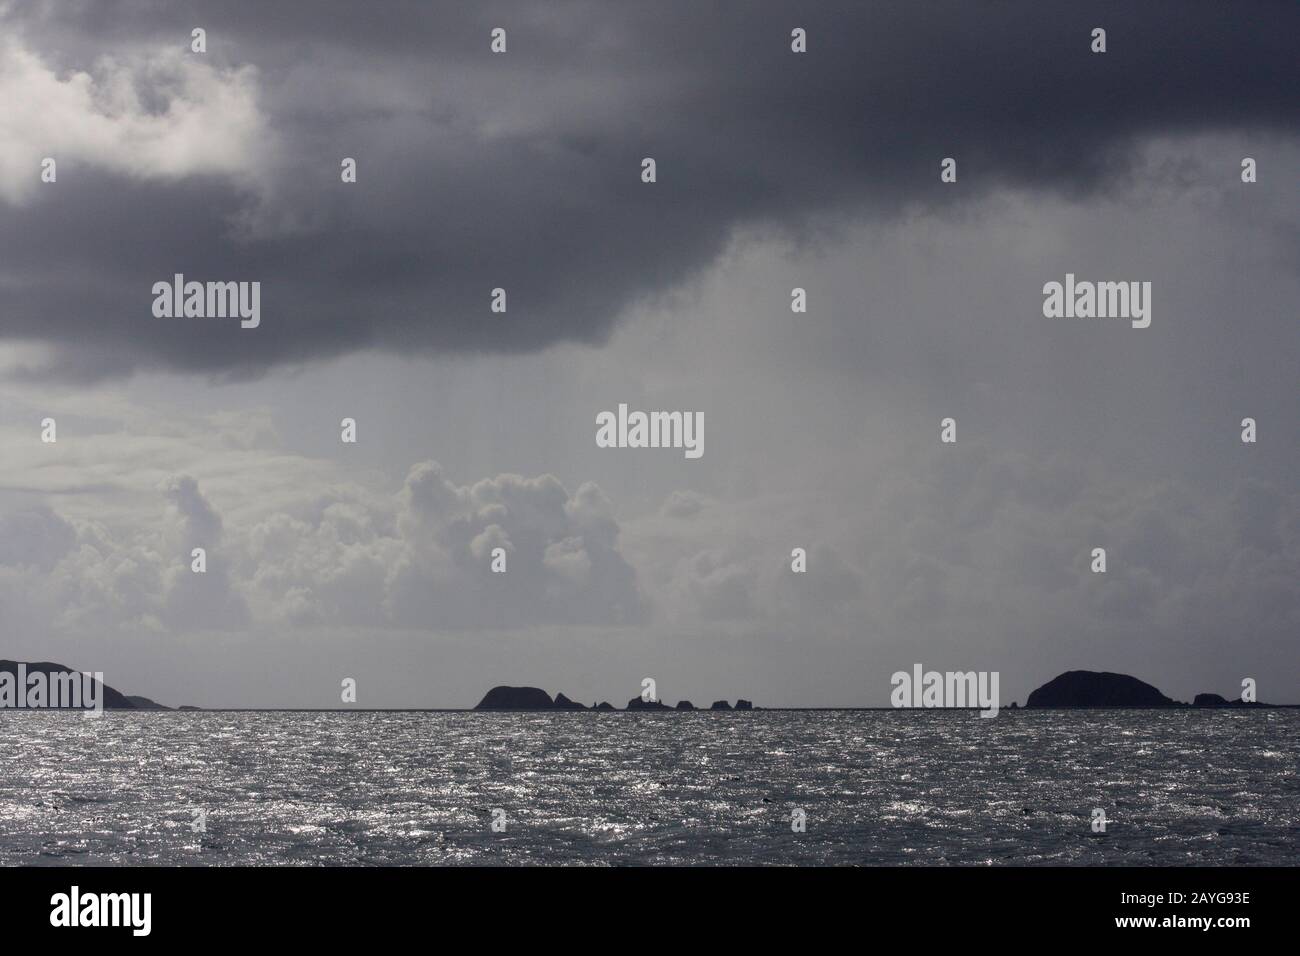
161,114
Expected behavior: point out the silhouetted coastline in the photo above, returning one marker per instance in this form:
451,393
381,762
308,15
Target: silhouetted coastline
1070,690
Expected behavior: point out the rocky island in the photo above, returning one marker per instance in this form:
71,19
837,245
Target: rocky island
1105,689
1097,689
516,698
504,697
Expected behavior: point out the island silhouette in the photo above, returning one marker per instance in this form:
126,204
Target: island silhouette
1073,689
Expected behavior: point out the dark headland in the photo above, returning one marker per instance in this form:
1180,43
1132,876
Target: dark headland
112,698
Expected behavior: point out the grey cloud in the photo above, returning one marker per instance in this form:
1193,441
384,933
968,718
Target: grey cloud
521,170
79,577
682,504
36,537
756,583
197,601
1184,570
716,586
202,524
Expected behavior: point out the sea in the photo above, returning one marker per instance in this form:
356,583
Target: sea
837,788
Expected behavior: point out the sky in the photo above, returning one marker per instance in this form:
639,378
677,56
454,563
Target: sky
476,429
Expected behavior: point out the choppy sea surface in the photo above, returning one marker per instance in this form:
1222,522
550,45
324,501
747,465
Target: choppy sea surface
876,787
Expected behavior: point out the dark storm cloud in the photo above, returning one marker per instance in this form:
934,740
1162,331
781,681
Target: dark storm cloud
522,170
